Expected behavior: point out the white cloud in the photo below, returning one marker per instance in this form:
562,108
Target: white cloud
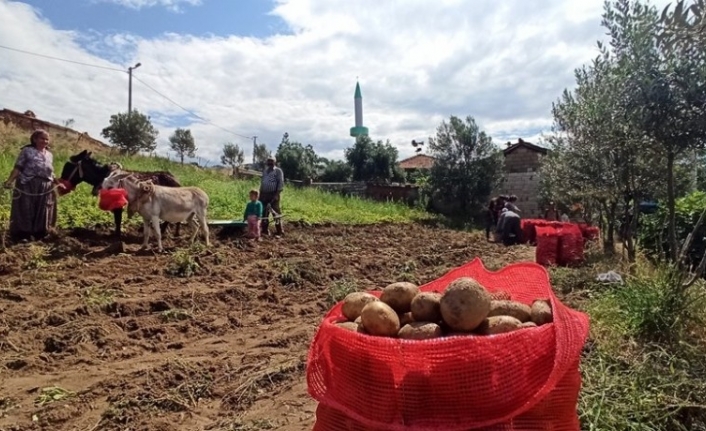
418,62
173,5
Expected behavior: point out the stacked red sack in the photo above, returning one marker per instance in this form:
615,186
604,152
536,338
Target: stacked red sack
525,380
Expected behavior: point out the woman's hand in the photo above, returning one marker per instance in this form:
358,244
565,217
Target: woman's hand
7,184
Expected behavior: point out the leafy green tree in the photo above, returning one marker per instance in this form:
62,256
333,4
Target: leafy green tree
182,142
232,156
131,132
468,166
374,161
668,89
261,155
336,171
298,162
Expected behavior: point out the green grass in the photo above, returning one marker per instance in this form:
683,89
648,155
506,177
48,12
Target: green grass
227,196
645,360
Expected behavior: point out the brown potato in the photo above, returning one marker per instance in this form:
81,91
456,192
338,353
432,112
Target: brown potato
529,324
351,326
500,295
464,304
420,331
380,319
542,312
399,295
499,325
518,310
405,318
426,307
358,320
354,302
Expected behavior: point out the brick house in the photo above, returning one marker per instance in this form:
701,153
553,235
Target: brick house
521,166
418,162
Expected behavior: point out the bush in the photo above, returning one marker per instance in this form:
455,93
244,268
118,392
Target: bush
653,230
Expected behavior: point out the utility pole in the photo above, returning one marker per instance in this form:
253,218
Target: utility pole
129,87
254,146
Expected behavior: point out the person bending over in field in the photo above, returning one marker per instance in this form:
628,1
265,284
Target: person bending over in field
253,214
271,187
509,227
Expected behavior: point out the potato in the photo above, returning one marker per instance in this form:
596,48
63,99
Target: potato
405,318
518,310
500,295
351,326
426,307
354,302
420,331
380,319
529,324
399,296
358,320
541,312
464,304
499,325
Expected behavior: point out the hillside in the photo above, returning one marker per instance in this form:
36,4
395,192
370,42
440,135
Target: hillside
228,196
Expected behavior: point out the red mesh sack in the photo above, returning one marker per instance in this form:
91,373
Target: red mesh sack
529,234
112,199
547,251
524,380
570,246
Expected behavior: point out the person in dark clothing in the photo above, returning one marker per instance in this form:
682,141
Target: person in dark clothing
271,187
510,227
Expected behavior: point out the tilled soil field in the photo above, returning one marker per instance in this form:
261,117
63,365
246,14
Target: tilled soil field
92,339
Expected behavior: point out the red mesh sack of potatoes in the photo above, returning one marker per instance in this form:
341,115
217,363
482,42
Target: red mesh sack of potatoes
529,234
112,199
525,380
547,251
570,246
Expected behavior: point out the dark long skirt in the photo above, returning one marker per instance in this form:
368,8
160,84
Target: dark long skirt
33,212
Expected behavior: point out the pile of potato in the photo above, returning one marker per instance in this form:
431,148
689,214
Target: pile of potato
465,308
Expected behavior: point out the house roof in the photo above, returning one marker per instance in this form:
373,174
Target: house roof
418,161
523,144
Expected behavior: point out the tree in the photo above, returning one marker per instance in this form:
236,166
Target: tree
131,132
336,171
261,155
373,161
468,166
232,156
298,162
182,142
668,80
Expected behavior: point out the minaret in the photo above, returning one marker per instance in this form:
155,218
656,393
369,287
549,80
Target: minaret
359,129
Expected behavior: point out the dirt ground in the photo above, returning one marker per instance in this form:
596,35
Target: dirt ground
91,340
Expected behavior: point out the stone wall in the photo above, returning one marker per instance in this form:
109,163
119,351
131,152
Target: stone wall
524,185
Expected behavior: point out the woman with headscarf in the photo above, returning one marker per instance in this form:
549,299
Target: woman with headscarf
33,211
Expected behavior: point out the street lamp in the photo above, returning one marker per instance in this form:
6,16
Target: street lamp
129,87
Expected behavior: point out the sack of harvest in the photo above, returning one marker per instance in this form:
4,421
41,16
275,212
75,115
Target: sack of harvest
529,233
112,199
547,251
525,380
570,246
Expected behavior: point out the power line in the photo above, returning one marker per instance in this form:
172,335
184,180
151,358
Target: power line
136,78
61,59
190,112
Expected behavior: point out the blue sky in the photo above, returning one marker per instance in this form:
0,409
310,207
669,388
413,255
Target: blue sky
266,67
217,17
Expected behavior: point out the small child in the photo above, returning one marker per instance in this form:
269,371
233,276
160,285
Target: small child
253,213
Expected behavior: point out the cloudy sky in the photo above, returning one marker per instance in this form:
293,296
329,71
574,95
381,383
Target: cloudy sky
233,69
